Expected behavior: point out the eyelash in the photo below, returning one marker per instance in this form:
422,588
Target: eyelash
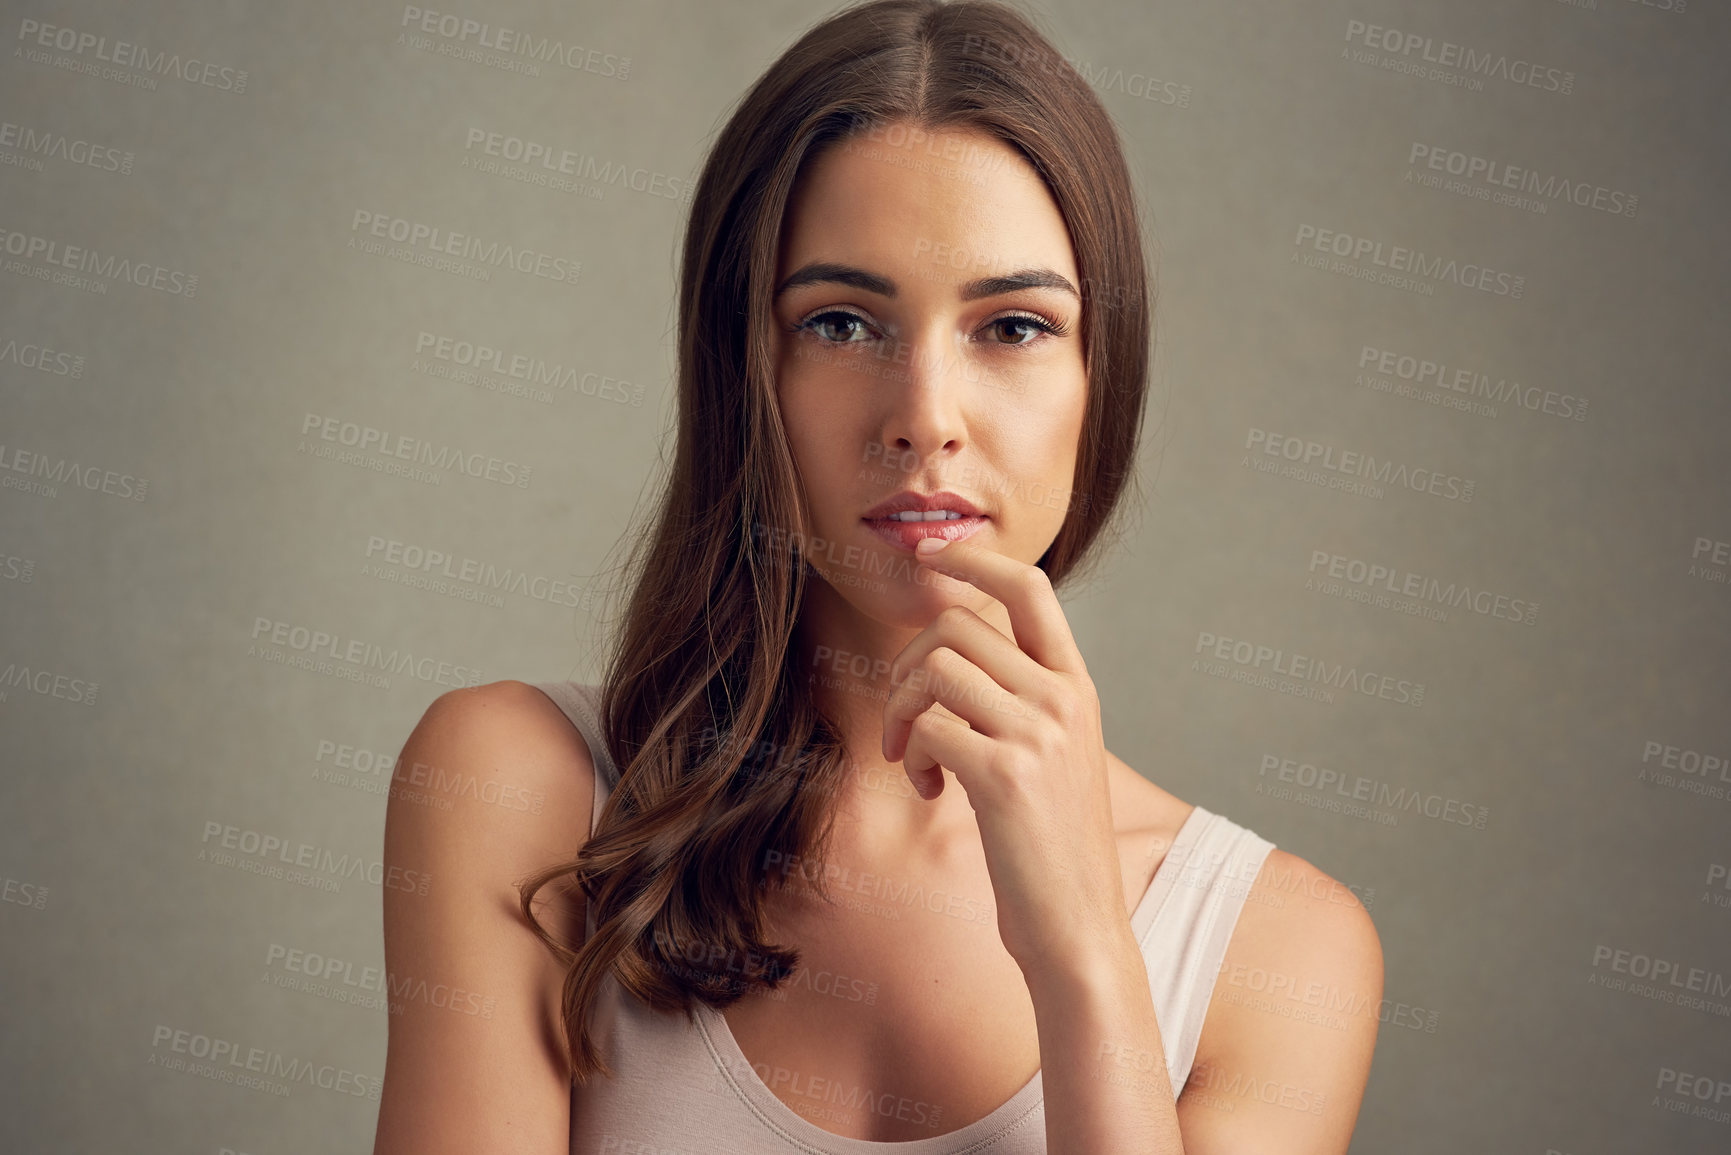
1050,326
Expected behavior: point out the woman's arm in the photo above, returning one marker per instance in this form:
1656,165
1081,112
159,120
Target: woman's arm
1286,1047
474,1065
1102,1059
1277,1074
1021,731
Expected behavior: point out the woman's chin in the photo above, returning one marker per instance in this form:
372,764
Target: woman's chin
905,604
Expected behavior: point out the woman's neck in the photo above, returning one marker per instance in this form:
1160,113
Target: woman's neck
846,658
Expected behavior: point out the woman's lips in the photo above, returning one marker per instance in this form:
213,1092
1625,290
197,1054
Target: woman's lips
907,534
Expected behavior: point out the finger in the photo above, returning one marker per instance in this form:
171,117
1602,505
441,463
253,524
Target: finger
980,642
962,688
1035,615
938,742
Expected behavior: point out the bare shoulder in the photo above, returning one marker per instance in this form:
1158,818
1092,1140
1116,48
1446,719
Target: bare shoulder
1297,914
493,785
491,751
1286,1045
496,774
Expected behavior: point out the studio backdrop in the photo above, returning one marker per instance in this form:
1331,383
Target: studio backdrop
336,344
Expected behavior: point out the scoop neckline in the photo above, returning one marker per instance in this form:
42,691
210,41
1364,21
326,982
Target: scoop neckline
1012,1113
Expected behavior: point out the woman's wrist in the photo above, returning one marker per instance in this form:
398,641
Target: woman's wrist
1084,972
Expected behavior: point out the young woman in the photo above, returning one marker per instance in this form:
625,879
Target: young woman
842,862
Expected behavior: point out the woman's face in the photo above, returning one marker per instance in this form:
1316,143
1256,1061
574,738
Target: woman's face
927,339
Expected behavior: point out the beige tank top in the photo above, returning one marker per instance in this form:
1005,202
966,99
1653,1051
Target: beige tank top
683,1088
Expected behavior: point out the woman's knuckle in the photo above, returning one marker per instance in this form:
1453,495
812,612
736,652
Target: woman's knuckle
952,618
1036,581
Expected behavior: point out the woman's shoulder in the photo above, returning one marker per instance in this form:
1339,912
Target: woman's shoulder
492,788
1303,968
1297,998
504,757
1292,909
1298,914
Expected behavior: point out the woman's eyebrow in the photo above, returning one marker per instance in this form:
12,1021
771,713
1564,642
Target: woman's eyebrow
828,272
1020,279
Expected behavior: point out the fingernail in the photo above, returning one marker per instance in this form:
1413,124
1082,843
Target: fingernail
931,545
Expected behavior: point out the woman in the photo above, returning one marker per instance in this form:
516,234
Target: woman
913,351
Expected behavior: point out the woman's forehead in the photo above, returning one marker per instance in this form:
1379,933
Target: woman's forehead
895,202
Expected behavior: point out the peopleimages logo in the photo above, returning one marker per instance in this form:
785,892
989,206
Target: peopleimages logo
535,372
1341,785
1390,264
511,42
441,571
46,683
341,980
43,474
1700,1096
1253,662
1103,78
434,242
1710,559
1316,461
1661,979
41,358
1498,180
1682,768
1453,62
313,648
35,35
365,439
260,1068
1327,571
275,851
34,144
1422,376
94,269
541,162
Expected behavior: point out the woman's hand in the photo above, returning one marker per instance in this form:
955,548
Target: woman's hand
1018,723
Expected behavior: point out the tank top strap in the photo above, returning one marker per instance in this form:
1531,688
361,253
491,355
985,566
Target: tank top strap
582,704
1186,921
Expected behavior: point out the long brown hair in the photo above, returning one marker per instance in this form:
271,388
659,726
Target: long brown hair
727,764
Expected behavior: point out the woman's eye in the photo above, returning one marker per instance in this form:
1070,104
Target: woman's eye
838,328
842,328
1019,330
